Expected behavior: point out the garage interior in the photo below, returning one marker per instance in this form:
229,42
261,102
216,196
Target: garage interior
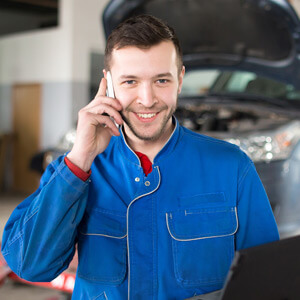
51,61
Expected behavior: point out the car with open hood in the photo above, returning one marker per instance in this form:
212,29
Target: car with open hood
242,83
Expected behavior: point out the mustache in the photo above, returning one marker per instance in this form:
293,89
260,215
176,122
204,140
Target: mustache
142,109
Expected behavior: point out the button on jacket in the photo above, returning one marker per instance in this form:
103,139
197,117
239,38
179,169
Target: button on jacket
170,235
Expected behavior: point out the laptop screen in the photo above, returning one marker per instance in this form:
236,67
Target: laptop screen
266,272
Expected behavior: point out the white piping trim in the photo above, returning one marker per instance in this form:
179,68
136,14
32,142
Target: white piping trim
168,138
206,237
123,134
106,235
100,296
105,296
127,226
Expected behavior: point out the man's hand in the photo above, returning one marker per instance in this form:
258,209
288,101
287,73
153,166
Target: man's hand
95,128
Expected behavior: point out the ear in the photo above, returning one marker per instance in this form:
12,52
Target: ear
104,73
180,80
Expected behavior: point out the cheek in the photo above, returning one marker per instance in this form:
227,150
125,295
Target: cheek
166,95
169,97
125,97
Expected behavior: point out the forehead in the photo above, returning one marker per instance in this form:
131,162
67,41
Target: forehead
131,59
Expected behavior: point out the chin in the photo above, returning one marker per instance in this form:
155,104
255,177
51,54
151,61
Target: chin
149,136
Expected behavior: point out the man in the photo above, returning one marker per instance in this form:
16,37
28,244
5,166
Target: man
156,210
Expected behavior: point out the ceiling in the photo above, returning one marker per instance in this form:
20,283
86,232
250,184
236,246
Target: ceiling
30,5
25,15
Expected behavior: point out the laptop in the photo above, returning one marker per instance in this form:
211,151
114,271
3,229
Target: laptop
266,272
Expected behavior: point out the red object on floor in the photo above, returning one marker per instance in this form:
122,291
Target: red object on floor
63,282
4,269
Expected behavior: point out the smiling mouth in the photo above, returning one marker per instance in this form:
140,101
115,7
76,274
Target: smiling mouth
146,116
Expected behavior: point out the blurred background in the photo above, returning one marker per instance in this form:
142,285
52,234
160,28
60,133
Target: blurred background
51,61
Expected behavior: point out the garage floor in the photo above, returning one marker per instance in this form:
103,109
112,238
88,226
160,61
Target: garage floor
16,291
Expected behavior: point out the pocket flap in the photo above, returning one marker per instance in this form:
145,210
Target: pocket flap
104,223
194,224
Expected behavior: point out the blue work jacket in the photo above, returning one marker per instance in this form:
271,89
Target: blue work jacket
170,235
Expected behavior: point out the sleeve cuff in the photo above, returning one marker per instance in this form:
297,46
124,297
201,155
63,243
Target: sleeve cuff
84,176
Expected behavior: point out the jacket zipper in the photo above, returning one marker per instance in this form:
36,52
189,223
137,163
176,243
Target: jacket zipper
127,227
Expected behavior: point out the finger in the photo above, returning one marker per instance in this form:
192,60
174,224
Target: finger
106,123
100,100
107,110
102,88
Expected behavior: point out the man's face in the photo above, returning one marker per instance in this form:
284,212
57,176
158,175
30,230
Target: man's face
147,83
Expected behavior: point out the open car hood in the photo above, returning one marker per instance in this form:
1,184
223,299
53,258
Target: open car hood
261,36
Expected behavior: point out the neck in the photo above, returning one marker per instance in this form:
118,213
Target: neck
148,147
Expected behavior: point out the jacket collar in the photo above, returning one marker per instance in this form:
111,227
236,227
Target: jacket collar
165,151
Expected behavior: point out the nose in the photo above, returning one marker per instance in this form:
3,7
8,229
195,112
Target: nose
146,95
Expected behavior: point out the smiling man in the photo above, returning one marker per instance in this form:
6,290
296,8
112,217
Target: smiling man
150,94
155,210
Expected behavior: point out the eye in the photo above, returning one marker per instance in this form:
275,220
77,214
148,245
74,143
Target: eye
162,81
129,82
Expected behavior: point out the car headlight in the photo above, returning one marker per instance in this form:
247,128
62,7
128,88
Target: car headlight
67,141
48,159
270,145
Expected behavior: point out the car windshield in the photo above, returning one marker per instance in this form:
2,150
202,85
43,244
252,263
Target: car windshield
213,81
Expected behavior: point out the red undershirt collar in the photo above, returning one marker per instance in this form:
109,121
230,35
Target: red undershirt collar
145,162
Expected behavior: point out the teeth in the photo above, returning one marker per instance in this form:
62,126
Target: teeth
146,116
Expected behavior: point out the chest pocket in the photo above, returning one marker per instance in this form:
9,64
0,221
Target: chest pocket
102,247
203,244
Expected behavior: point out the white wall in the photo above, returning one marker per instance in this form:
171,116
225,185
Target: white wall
57,58
88,35
5,108
40,55
56,108
296,4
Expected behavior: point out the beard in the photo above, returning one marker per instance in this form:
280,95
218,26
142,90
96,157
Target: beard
138,132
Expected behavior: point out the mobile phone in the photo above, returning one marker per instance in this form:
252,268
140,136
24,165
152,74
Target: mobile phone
110,91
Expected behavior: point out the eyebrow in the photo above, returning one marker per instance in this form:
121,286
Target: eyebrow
128,76
167,74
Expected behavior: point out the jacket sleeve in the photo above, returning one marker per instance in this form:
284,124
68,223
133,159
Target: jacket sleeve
256,220
39,238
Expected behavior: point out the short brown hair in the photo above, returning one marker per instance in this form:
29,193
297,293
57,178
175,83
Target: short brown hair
142,31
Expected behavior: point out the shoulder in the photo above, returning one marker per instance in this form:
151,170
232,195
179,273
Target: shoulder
202,140
214,150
